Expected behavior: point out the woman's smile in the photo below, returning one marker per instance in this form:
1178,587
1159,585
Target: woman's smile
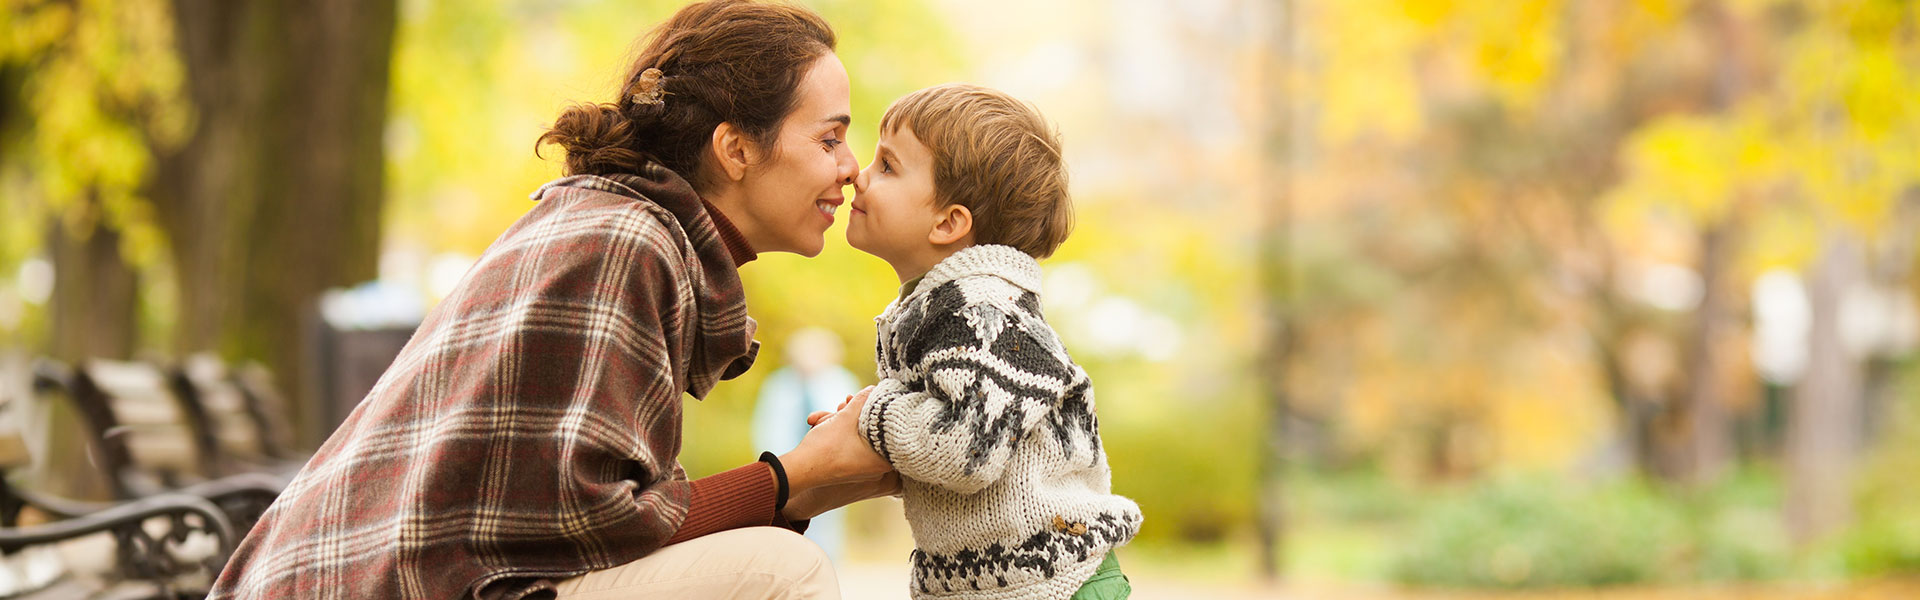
827,206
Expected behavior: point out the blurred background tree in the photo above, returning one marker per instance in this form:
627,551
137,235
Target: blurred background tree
225,157
1509,294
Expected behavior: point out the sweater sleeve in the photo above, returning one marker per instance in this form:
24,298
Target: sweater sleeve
742,497
987,379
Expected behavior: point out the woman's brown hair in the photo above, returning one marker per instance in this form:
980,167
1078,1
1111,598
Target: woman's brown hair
721,61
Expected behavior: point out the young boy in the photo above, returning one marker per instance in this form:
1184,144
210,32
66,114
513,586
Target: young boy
988,421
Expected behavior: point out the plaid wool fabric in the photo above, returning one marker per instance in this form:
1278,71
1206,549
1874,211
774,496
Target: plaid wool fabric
530,430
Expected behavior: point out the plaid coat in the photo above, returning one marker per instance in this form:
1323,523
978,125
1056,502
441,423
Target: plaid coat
530,429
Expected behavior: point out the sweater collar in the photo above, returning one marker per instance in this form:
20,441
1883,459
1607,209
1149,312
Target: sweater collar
736,242
1000,261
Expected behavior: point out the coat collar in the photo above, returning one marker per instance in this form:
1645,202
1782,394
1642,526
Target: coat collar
725,347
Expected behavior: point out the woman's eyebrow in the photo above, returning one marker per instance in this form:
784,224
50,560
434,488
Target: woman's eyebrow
843,120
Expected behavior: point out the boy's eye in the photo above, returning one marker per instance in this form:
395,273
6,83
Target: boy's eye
885,167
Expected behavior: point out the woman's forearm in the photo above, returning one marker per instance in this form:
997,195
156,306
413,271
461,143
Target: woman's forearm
742,497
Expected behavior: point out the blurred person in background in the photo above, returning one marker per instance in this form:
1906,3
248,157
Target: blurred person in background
812,381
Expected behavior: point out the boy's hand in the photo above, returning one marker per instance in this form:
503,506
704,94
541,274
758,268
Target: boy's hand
821,415
834,452
860,396
817,416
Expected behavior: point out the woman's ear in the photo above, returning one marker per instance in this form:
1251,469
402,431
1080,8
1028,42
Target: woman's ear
955,224
732,152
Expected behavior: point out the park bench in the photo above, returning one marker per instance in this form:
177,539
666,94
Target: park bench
166,545
196,428
126,441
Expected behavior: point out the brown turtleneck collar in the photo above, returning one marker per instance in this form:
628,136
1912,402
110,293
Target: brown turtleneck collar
736,243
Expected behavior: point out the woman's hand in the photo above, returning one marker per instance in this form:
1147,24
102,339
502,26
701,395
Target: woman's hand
818,500
833,466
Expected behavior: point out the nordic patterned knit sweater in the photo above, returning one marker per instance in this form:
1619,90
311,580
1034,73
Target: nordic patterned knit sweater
992,429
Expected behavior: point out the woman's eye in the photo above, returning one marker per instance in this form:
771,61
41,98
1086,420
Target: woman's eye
830,143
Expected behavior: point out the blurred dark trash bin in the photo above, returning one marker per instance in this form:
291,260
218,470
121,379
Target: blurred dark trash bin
359,332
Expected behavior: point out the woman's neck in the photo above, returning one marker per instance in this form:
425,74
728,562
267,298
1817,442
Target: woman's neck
731,216
730,236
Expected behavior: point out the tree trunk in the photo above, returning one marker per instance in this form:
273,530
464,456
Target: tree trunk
1709,432
1277,284
95,291
277,195
1823,422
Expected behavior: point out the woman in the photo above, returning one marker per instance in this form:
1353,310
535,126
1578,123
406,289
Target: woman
525,442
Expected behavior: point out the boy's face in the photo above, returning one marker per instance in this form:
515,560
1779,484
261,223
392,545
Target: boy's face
893,203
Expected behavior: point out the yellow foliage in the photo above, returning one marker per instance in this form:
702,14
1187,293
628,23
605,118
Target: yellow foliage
1367,86
1665,12
1517,46
104,92
1684,161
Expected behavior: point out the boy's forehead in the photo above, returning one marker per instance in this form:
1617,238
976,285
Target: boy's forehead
900,138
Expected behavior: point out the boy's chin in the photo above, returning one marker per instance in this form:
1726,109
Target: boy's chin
857,243
869,252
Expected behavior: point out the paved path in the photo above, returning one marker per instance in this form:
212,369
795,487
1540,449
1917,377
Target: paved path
877,581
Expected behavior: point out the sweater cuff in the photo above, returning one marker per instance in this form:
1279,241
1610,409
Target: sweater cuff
873,415
742,497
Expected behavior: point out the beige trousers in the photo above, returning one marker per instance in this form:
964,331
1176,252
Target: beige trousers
751,563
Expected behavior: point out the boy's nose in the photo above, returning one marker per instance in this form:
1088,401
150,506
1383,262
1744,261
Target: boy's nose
860,182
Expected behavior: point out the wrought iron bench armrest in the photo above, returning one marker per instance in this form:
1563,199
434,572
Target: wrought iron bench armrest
245,486
141,556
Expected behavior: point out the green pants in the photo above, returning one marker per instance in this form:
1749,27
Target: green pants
1107,583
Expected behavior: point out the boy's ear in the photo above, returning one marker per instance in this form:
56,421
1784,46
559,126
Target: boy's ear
732,151
955,223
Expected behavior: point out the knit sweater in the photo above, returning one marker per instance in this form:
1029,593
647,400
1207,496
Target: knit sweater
992,428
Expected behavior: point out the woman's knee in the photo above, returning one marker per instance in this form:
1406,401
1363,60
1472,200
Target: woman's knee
788,547
800,563
756,562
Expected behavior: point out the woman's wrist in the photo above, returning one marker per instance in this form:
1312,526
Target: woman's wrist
806,497
804,470
825,498
801,508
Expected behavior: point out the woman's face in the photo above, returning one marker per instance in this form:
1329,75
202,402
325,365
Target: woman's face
790,194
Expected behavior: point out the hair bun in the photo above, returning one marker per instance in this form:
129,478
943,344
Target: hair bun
597,138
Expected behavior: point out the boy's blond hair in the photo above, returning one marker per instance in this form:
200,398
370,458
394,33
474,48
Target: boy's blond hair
996,156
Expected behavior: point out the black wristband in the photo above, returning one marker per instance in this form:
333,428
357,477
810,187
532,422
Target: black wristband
780,475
